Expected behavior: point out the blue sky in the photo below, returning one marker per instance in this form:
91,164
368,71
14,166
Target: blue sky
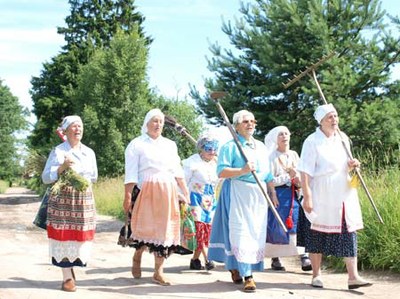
182,32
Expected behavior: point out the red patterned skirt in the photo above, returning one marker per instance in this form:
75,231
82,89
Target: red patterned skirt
71,225
203,232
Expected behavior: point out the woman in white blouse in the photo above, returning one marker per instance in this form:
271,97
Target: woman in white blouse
283,162
71,213
152,163
330,203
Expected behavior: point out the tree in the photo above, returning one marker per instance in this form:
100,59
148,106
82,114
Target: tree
90,25
113,95
275,40
12,121
186,115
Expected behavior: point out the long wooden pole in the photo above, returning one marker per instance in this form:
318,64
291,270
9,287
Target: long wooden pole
215,96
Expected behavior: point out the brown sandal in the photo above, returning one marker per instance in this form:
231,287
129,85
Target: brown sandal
68,285
249,285
160,280
236,278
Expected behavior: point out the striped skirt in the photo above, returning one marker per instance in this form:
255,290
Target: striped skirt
71,224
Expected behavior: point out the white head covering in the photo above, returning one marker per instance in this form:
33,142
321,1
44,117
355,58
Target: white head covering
149,116
238,116
323,110
68,120
271,139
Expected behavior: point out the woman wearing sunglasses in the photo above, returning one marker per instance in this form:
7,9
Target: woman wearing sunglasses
201,177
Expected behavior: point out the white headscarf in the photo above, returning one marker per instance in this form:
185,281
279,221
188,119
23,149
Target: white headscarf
323,110
238,116
68,120
149,116
271,139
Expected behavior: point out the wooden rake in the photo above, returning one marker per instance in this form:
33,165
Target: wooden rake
171,122
310,71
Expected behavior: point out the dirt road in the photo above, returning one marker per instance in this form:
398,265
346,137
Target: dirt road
25,270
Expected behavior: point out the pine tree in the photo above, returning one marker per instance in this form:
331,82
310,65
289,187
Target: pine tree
275,40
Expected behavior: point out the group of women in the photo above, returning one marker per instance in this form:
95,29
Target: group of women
232,229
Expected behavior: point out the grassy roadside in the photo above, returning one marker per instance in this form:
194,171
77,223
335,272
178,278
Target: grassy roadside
3,186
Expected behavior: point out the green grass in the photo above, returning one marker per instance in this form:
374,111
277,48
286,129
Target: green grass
109,196
3,186
378,244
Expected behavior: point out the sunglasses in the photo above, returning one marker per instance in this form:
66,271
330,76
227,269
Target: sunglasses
210,147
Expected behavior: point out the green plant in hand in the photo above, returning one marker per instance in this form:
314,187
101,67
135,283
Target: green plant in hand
69,178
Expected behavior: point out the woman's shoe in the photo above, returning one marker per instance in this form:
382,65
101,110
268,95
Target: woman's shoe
68,285
276,264
236,278
249,285
210,265
196,264
358,283
316,282
160,280
305,263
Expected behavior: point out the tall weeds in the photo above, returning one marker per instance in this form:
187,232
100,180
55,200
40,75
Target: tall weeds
109,196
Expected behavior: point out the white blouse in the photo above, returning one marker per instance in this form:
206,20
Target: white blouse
145,155
198,172
280,164
84,162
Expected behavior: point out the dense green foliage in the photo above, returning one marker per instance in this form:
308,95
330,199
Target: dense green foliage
11,122
112,94
90,25
275,40
101,76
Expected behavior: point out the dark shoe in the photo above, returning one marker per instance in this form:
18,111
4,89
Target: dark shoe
249,285
276,264
358,283
210,265
68,285
196,264
236,278
305,263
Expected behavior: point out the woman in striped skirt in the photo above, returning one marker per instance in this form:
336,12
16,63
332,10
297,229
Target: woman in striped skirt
71,212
